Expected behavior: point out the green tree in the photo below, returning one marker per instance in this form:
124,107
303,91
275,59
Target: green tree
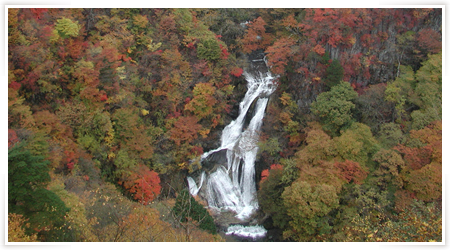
67,28
187,207
308,206
333,74
390,163
209,50
390,135
429,93
420,91
334,107
356,143
270,200
397,92
319,148
28,194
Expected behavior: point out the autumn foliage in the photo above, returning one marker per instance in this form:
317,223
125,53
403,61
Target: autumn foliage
265,173
143,185
256,36
108,109
351,171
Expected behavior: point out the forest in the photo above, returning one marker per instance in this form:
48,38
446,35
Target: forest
108,108
225,2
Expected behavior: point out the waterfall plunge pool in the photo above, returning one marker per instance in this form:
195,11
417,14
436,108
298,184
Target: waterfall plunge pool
253,232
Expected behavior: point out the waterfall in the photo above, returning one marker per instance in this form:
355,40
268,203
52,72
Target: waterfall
232,187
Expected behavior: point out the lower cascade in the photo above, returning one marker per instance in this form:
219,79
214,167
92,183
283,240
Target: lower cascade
230,186
251,232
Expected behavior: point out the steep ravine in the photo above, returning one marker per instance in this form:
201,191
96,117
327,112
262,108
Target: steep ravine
226,179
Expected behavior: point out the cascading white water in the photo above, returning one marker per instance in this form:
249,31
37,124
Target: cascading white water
193,189
252,232
233,187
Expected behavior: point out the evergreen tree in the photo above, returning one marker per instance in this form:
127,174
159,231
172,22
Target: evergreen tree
27,194
333,74
186,206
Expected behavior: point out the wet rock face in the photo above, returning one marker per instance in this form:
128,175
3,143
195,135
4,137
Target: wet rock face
257,63
217,158
213,139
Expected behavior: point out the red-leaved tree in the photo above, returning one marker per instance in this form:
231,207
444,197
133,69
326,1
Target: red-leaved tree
265,173
256,36
143,185
351,171
279,54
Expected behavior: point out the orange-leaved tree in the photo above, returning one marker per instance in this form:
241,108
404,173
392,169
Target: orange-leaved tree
265,173
143,185
351,171
279,54
256,36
